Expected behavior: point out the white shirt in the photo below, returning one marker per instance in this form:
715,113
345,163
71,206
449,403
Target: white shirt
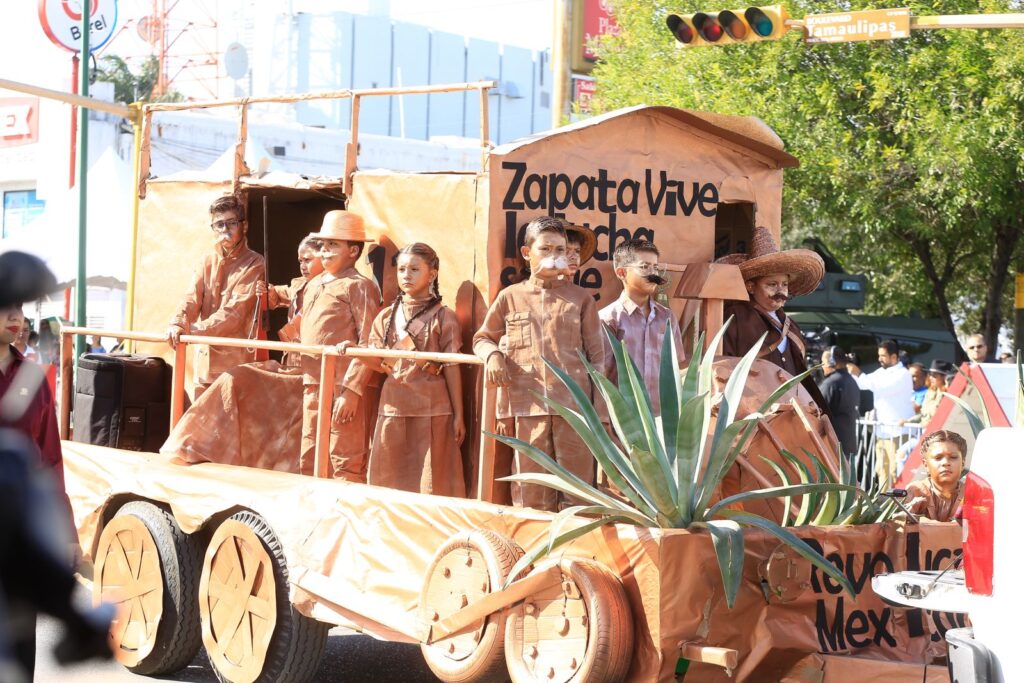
784,344
893,389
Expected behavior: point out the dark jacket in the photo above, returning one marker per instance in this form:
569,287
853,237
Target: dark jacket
842,394
746,328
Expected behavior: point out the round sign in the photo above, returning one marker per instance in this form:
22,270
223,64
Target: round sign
236,61
62,22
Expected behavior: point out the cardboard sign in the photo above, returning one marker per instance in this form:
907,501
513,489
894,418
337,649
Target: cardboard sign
850,27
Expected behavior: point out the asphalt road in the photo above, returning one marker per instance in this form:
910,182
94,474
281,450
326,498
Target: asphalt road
349,657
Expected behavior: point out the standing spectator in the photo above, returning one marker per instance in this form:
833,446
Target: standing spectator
977,349
918,374
32,351
842,394
96,345
892,387
1007,357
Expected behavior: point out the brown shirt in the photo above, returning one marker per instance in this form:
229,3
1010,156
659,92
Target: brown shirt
290,295
924,500
334,311
747,326
410,390
221,303
532,320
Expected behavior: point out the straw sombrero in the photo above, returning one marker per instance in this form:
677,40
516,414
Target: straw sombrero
589,240
804,267
342,225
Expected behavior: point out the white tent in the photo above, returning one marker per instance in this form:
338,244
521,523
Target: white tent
54,236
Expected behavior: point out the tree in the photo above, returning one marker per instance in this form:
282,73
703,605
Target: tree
910,149
130,87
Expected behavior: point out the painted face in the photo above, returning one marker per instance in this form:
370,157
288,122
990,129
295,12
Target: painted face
572,254
918,377
945,463
770,292
228,229
544,253
309,263
12,320
414,275
337,255
635,276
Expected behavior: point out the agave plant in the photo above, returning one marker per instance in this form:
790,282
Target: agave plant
666,467
830,507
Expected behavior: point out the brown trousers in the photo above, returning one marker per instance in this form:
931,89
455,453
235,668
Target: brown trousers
348,440
551,434
417,454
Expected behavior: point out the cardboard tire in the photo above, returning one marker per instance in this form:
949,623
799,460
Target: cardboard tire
150,568
251,630
580,630
467,567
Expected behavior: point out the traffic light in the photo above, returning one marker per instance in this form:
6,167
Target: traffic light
729,26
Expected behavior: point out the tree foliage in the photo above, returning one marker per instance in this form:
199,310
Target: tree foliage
134,87
911,150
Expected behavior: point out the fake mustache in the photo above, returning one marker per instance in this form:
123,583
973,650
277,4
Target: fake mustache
780,297
656,279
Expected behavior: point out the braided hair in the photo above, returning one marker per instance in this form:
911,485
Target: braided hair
429,256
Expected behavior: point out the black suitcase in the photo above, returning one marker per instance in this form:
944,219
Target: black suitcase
122,400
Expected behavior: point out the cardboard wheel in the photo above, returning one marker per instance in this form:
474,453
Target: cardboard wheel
149,568
466,568
250,628
580,630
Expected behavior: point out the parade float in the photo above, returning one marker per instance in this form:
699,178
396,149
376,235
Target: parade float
217,542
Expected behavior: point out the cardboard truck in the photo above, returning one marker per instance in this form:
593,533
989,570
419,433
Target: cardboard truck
253,563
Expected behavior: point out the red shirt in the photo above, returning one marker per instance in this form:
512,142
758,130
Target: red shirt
27,405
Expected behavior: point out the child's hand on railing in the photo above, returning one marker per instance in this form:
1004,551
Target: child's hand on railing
497,370
174,333
342,348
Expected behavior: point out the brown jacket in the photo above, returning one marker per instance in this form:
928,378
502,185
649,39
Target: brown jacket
334,311
924,500
221,303
532,320
746,328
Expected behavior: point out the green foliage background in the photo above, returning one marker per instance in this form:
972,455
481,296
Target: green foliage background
911,150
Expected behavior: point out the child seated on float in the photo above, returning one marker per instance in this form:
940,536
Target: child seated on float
420,423
544,317
636,319
291,295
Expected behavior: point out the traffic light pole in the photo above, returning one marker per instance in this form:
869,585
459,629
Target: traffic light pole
944,21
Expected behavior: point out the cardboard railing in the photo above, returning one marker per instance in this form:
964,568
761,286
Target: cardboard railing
328,356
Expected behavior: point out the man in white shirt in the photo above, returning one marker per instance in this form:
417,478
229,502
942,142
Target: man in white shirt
893,388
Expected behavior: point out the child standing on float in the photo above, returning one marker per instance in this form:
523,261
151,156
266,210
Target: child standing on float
420,422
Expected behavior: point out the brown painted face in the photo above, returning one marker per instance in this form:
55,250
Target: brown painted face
337,255
945,464
228,229
309,263
770,292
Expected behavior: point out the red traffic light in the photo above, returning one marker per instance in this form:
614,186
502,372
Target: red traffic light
707,26
680,29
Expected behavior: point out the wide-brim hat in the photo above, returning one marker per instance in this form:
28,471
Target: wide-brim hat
941,367
804,267
342,225
587,237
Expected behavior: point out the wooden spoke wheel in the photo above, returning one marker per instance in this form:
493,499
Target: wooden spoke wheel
250,629
580,630
149,569
466,568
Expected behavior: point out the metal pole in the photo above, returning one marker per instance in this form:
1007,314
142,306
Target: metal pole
74,120
1018,316
560,47
83,185
136,151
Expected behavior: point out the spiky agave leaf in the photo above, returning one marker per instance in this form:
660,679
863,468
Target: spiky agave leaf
808,503
776,492
788,500
793,541
670,391
727,537
976,423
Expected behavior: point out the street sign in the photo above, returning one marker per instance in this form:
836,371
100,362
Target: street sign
850,27
62,22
